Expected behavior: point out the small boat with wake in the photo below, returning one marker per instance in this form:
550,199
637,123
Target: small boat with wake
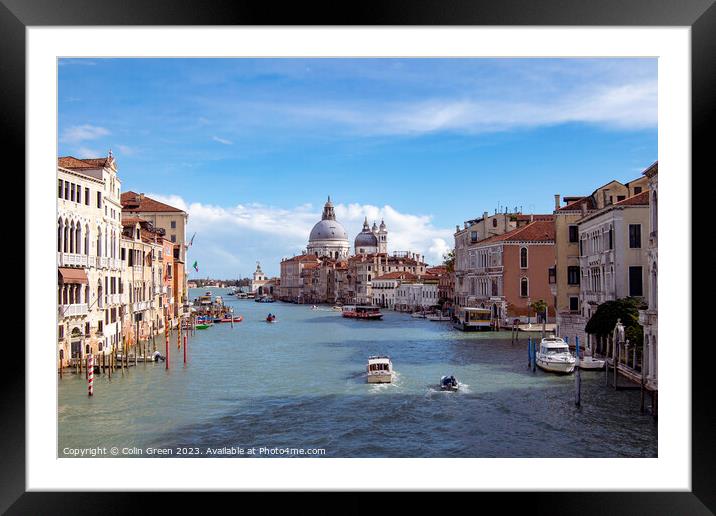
449,383
380,369
270,318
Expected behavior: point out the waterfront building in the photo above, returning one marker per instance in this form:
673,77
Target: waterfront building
416,293
259,280
472,232
384,288
511,270
291,286
649,317
566,288
613,254
143,253
162,216
364,267
89,268
328,238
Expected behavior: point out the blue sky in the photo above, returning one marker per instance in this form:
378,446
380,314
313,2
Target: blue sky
252,147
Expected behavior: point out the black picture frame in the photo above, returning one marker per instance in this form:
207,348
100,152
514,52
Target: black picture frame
699,15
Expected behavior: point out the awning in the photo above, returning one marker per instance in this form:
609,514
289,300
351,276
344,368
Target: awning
69,275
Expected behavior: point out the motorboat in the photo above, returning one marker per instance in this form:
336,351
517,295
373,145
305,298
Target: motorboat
203,326
418,315
362,312
438,317
554,356
449,383
379,369
337,308
270,318
228,318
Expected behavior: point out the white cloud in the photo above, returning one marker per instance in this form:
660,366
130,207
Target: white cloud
80,133
630,106
222,140
229,240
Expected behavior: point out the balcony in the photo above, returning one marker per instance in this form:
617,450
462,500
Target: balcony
102,262
71,260
75,310
142,305
114,299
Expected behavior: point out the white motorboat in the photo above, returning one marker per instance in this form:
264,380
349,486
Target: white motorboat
438,317
554,356
418,315
380,369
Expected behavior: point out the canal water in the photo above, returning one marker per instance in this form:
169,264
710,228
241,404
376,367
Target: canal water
299,383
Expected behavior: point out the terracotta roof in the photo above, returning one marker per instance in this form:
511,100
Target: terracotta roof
575,206
73,163
545,216
640,199
131,221
537,231
134,202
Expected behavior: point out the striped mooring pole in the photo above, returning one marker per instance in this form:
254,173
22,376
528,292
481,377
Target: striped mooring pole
90,375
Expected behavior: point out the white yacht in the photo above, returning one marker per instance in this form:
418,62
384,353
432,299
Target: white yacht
380,369
438,317
554,356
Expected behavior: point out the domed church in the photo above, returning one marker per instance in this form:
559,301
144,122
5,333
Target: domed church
328,238
372,240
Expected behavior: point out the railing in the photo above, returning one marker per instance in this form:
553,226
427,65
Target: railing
102,262
141,305
71,259
73,310
115,299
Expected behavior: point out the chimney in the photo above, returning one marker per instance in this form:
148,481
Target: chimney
457,228
604,196
584,208
532,217
556,201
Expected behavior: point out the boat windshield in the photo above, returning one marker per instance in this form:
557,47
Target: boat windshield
556,351
378,367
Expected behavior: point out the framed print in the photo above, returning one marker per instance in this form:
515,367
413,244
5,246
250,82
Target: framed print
416,249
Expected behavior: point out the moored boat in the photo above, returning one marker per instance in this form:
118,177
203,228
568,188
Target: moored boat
438,317
554,356
468,319
591,363
362,312
418,315
379,369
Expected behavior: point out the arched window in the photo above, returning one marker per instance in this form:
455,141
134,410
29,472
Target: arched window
99,241
523,258
87,239
59,235
524,287
65,237
100,304
78,239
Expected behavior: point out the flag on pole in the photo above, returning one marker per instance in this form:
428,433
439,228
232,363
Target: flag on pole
196,266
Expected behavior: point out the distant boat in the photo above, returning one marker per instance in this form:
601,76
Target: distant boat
418,315
362,312
438,317
202,326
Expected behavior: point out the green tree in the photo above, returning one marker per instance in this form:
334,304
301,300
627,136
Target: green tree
540,307
605,318
449,260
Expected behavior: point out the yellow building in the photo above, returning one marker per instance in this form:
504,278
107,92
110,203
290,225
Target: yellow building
566,288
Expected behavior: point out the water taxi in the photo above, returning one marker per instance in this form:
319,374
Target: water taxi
438,317
469,319
554,356
362,312
380,369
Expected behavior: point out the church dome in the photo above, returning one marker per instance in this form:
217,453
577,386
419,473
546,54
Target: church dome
366,240
328,230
